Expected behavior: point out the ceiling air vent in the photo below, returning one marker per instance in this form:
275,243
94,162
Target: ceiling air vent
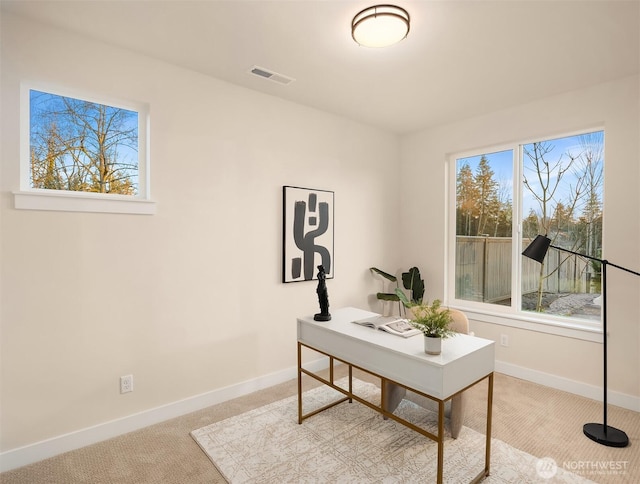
272,76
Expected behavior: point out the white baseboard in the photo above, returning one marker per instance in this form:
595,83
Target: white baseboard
577,388
29,454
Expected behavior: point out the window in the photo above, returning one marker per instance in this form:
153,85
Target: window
503,199
76,149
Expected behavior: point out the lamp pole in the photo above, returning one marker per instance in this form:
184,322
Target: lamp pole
600,433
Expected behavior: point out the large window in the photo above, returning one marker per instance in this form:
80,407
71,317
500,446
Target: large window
81,148
503,199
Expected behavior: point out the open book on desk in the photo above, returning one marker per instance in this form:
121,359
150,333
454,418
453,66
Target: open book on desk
391,324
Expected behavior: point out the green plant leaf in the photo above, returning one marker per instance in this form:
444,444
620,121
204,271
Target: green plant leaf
384,274
413,282
402,297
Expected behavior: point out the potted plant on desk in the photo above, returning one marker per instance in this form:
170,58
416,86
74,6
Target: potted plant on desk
432,319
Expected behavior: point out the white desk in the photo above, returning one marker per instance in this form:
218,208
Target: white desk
464,361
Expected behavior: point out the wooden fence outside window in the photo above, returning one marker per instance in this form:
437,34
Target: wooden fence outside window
483,270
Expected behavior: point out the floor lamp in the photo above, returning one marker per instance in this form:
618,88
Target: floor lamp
601,433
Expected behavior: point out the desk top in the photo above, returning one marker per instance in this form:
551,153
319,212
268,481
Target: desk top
464,359
452,348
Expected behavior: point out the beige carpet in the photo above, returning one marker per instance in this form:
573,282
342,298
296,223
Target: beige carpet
535,419
351,443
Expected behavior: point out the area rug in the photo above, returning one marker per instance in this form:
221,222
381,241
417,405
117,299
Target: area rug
351,443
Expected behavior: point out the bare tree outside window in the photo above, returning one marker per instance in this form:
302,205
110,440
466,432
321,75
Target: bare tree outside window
564,178
78,145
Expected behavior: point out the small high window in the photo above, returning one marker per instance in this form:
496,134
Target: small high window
83,148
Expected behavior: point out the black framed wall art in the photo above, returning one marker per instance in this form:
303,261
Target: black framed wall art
307,234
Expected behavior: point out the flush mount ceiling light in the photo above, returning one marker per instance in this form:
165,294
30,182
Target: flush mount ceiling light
380,26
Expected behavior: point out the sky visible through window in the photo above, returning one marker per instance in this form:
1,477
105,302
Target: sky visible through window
77,134
501,163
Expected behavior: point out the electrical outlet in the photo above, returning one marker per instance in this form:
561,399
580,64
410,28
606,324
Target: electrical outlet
504,340
126,384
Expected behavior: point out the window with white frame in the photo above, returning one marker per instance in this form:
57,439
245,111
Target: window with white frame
82,148
501,200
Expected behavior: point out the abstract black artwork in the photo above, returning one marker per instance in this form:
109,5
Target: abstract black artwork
308,233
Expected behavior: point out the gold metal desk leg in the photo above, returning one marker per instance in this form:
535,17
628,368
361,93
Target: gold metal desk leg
350,383
440,440
331,370
299,383
487,458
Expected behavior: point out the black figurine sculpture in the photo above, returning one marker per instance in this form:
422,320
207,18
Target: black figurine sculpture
323,296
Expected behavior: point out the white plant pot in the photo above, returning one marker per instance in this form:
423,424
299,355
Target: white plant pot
432,345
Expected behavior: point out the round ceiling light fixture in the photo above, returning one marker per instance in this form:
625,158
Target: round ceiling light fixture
380,26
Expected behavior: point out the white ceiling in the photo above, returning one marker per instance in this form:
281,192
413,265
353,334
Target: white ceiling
461,58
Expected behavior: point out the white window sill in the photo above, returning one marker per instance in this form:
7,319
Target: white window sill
82,202
539,324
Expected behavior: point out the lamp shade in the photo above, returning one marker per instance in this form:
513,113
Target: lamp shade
537,249
380,26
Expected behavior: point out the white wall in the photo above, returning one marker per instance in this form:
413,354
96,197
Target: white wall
189,300
560,361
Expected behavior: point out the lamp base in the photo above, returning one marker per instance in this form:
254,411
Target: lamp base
605,435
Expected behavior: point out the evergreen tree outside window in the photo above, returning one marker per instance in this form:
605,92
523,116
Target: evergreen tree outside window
503,199
484,227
